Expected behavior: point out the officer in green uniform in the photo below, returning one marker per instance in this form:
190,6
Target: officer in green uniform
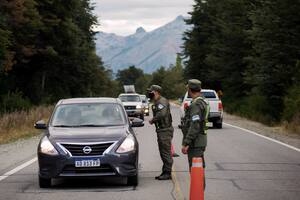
195,123
162,120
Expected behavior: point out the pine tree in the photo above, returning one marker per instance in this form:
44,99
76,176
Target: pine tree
275,35
196,42
48,50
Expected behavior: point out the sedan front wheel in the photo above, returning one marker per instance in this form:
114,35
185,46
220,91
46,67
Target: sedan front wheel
44,182
133,180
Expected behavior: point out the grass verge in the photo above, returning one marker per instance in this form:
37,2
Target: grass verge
18,125
294,125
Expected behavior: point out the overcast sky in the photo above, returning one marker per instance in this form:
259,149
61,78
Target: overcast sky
123,17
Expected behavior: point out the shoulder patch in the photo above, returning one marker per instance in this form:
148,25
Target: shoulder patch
160,106
195,118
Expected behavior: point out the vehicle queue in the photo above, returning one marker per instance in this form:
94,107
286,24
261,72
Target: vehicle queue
94,137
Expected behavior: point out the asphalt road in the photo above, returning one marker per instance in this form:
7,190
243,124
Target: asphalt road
240,166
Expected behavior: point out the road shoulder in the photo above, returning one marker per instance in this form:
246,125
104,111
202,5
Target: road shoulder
277,133
18,152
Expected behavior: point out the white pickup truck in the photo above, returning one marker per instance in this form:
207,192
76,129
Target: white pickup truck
216,107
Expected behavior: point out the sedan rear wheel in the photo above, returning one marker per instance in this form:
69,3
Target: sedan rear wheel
218,124
44,182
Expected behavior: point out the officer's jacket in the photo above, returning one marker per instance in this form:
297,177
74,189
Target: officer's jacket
195,124
161,114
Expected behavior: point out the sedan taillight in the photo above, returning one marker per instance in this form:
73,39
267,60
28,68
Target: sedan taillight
220,106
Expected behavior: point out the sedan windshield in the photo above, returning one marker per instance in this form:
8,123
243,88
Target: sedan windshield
130,98
144,99
88,115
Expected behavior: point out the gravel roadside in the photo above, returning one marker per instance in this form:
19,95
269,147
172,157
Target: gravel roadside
278,133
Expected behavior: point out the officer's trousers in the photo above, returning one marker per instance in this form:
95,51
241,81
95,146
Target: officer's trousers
164,140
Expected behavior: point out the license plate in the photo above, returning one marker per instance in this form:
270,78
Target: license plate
87,163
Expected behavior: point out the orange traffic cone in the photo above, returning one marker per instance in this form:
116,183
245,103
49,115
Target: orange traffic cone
197,180
173,152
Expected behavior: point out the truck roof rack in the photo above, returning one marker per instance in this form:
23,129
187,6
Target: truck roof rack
129,89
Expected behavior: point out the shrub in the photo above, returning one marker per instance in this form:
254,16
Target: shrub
252,107
12,102
292,104
291,113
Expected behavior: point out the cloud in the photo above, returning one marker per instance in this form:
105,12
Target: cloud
123,17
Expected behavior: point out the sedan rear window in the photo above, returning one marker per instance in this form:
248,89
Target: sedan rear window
130,98
88,115
209,95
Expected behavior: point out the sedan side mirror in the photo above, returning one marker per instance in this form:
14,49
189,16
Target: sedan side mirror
136,122
40,124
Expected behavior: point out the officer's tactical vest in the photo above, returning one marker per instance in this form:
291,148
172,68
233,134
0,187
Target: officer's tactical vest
199,101
165,122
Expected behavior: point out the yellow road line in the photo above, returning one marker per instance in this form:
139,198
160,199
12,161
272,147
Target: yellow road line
178,191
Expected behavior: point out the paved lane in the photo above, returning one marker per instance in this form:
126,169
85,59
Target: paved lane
239,166
24,184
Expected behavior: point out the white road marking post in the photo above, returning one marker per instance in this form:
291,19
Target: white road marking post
15,170
265,137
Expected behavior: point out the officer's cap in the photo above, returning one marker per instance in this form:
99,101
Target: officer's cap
194,84
156,88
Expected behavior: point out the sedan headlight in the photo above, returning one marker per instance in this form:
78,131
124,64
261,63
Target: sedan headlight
138,106
47,148
127,145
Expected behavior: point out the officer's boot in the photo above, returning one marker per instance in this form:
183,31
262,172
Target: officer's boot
157,177
165,176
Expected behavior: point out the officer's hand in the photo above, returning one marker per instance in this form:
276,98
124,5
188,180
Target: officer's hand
151,121
185,149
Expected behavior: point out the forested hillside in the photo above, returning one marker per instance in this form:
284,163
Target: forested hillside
250,50
47,52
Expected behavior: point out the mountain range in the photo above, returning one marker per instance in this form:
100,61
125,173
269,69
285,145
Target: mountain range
145,50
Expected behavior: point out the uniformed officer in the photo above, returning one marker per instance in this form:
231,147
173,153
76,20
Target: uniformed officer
195,123
162,120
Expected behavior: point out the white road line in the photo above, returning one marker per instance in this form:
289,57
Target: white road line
257,134
15,170
265,137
